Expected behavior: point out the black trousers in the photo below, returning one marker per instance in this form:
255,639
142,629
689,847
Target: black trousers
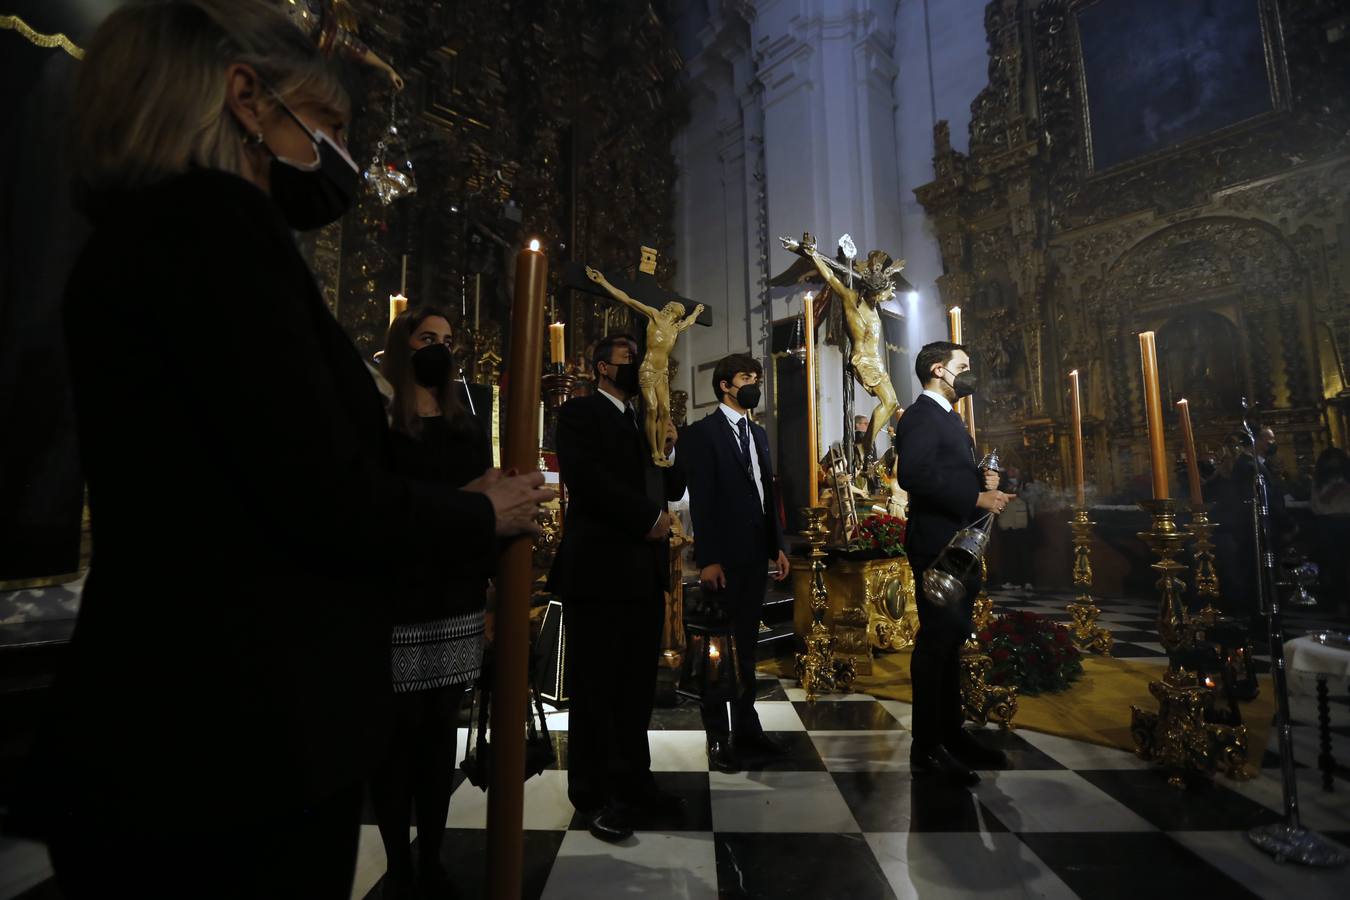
935,666
612,647
744,599
309,853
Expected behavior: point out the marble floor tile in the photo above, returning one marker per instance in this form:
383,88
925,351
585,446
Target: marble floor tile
778,715
828,715
1129,866
546,804
894,801
939,866
778,802
1053,801
819,866
1207,806
680,866
1080,755
863,751
1232,853
678,751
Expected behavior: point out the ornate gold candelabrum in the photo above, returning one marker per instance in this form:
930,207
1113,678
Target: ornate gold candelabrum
818,671
1178,735
981,701
1166,539
1206,577
1086,631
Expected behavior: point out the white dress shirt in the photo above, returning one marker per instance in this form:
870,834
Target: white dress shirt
734,418
938,399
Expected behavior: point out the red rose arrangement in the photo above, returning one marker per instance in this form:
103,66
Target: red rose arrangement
1031,652
879,536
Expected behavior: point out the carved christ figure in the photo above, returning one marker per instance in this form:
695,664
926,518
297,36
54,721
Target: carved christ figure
663,328
875,285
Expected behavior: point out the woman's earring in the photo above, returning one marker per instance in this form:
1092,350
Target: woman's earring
255,139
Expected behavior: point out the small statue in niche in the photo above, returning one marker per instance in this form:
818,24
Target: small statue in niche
663,329
332,26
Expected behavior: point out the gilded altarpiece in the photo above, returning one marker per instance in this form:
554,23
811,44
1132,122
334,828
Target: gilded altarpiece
1234,247
548,120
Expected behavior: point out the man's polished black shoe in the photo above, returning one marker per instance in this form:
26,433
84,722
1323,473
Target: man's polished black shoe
968,750
610,825
938,761
721,758
759,744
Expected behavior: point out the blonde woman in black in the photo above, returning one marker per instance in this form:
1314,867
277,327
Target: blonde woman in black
437,643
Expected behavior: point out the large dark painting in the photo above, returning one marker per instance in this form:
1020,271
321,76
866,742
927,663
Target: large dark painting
1158,73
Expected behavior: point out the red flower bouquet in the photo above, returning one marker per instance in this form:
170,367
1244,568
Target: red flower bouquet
1031,652
878,537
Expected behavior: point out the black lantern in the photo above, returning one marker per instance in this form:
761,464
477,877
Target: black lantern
539,752
711,669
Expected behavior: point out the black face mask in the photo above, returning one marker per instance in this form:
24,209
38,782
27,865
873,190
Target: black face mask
747,395
625,377
964,384
431,365
859,437
1270,450
312,195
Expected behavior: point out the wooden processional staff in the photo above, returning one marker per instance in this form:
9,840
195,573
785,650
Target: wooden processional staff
510,688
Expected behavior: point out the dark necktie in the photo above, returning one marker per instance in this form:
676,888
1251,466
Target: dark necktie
631,415
743,432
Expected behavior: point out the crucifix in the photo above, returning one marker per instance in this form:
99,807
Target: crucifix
666,319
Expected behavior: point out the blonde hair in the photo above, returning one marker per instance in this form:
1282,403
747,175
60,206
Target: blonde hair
150,95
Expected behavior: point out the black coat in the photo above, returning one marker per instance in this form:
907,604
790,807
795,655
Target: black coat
723,501
937,469
614,496
232,649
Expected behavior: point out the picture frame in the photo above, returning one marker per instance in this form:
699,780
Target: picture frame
1155,76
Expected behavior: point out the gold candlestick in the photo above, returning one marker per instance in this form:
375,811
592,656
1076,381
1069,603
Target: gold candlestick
1086,631
817,669
1166,539
558,384
1206,577
1179,738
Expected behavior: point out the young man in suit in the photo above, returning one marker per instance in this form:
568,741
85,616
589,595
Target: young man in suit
737,537
610,571
946,492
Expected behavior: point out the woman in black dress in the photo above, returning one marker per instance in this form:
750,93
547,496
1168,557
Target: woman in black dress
437,645
226,692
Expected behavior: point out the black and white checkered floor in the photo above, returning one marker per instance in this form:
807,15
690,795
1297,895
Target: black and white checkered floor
841,817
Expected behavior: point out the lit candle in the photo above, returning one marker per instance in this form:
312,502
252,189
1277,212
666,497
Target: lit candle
1192,464
1080,489
1157,441
397,304
557,343
812,458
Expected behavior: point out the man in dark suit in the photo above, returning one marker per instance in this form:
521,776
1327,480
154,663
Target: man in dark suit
737,537
610,570
946,492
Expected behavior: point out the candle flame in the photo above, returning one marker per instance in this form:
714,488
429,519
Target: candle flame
810,295
955,309
713,652
534,246
1073,374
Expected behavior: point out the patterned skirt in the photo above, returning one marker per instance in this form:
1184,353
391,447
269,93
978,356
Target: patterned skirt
437,653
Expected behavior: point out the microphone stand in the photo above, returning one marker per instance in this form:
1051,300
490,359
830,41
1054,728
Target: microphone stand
1287,840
